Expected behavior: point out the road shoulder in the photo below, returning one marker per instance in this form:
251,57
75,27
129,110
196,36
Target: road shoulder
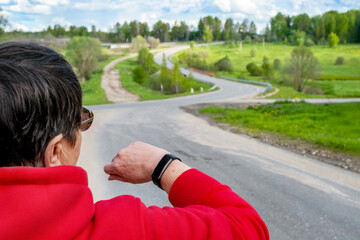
346,161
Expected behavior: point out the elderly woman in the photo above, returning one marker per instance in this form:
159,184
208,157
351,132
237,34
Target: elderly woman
43,195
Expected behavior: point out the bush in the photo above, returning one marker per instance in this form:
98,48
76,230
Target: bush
277,64
309,42
192,44
153,42
340,61
83,53
138,43
267,68
143,53
333,40
139,74
195,59
254,69
247,39
253,52
242,77
224,64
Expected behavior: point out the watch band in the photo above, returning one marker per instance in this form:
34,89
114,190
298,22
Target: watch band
161,167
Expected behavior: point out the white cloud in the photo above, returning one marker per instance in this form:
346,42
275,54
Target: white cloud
61,21
25,7
52,2
4,1
19,27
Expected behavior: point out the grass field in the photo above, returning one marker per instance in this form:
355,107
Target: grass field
126,67
335,126
326,56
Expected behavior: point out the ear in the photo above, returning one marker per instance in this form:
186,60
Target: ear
53,152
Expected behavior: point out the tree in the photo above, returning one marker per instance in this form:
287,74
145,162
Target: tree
3,22
125,29
153,42
333,40
207,36
279,26
217,28
252,28
139,74
303,67
83,53
302,23
143,53
176,76
134,28
228,30
138,43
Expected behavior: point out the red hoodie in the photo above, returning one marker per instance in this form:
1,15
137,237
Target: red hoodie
56,203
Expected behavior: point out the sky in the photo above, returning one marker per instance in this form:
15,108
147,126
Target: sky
37,15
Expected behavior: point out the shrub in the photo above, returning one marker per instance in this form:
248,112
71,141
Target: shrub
137,43
333,40
138,74
277,64
224,64
143,53
242,76
309,42
192,44
253,52
340,61
303,66
254,69
84,53
247,39
153,42
267,68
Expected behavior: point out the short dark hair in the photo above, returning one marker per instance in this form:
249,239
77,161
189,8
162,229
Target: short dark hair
40,98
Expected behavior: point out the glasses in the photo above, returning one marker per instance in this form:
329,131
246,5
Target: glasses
87,118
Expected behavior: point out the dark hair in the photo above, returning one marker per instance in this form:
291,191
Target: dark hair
40,98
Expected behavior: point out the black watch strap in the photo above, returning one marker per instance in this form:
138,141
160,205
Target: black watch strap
161,167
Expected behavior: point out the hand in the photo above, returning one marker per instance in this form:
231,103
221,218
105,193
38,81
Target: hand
135,163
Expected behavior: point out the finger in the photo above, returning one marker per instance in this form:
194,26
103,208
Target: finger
116,177
109,168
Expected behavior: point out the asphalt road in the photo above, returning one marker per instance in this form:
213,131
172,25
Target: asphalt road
298,198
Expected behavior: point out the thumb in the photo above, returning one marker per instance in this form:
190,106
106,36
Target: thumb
108,168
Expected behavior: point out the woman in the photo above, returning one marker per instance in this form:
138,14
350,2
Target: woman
43,195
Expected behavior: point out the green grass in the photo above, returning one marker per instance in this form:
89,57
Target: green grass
126,67
326,56
93,94
335,126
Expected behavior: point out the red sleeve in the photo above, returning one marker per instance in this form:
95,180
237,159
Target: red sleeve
203,209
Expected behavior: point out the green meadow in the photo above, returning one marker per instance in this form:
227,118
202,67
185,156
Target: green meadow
334,126
344,80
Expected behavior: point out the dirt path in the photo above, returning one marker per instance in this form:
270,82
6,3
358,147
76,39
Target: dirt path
110,82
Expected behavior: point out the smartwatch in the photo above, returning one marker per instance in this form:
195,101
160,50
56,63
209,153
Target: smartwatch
161,167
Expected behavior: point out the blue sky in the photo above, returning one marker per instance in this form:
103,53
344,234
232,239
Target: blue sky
36,15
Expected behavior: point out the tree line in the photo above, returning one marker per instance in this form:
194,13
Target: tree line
317,28
281,28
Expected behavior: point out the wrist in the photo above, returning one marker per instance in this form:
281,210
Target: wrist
174,170
161,167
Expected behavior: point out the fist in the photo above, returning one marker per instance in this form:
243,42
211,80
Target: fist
135,163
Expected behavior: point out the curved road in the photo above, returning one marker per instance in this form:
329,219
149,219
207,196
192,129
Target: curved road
299,198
